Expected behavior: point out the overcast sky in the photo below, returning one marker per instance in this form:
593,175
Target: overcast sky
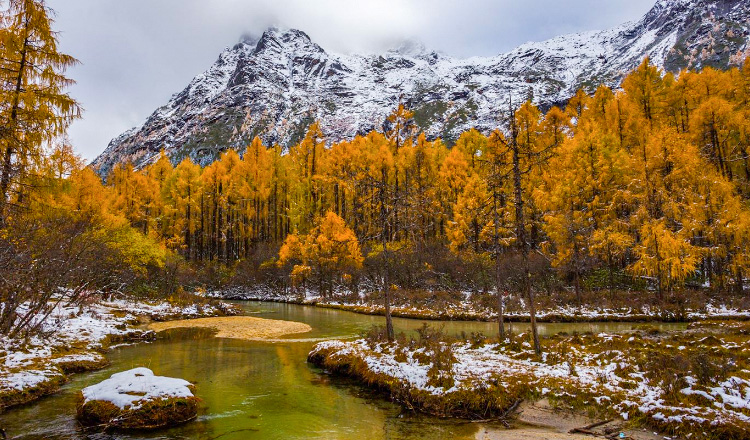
136,53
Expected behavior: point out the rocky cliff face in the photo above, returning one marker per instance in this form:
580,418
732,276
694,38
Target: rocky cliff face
276,85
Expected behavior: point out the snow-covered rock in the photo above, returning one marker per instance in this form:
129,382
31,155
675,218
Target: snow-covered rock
132,388
137,399
274,86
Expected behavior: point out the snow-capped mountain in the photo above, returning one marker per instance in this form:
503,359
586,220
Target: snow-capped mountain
275,85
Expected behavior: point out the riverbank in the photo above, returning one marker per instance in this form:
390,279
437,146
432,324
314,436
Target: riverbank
694,384
542,421
466,306
74,339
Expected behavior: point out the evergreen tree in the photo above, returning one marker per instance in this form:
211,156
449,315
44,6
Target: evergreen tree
34,109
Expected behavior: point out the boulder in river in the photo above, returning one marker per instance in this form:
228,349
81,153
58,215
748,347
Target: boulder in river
137,399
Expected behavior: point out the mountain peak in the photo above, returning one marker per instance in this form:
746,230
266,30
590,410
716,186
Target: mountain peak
286,34
664,10
276,38
665,4
249,38
410,48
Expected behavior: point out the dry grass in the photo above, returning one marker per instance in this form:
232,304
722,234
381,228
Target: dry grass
82,365
238,327
19,397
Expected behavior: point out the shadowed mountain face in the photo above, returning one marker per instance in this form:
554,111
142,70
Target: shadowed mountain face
276,85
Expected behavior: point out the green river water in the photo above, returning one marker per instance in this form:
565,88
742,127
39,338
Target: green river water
265,390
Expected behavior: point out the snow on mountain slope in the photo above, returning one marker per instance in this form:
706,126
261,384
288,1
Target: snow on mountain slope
275,86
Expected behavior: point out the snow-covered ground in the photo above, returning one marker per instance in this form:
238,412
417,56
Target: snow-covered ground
469,309
73,339
605,371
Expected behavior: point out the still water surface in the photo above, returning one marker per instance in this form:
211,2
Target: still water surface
266,390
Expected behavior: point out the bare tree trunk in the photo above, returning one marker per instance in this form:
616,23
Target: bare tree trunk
201,252
510,331
738,286
577,274
10,134
659,287
610,265
521,233
532,305
387,294
386,262
500,301
187,226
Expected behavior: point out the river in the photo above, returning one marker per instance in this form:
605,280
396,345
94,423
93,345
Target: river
266,390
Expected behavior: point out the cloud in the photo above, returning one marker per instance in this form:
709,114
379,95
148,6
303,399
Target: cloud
135,54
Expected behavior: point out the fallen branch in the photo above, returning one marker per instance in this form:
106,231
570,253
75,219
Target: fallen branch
583,431
502,418
588,428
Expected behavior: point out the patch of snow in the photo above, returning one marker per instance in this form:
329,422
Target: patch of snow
21,380
28,363
130,389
